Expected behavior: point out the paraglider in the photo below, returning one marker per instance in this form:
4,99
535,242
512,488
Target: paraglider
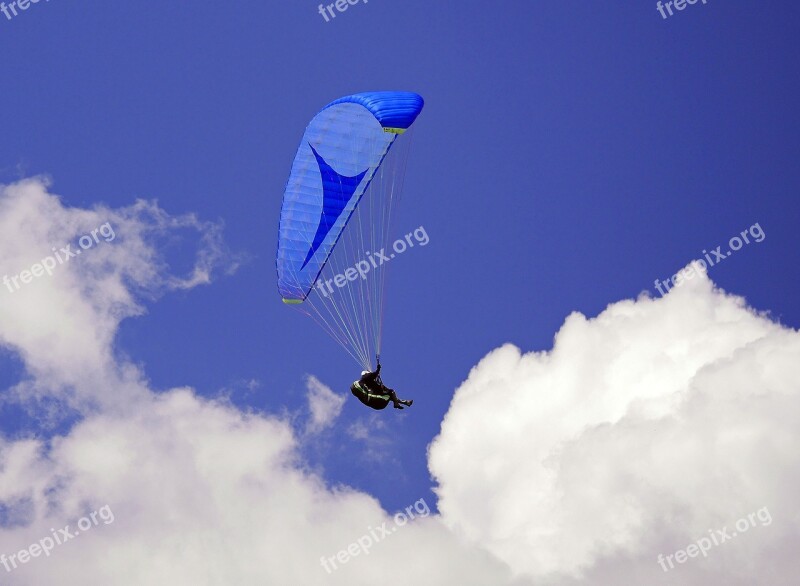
336,219
370,390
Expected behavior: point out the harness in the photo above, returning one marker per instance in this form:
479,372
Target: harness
369,398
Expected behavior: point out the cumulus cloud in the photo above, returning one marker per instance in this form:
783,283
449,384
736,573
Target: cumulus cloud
199,492
640,431
203,494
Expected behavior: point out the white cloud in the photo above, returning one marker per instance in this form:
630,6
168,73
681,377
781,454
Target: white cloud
63,324
641,430
323,404
201,492
377,443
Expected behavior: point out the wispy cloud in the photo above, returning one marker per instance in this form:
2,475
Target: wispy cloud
324,405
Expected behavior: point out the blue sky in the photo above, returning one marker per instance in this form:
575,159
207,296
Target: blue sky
568,155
